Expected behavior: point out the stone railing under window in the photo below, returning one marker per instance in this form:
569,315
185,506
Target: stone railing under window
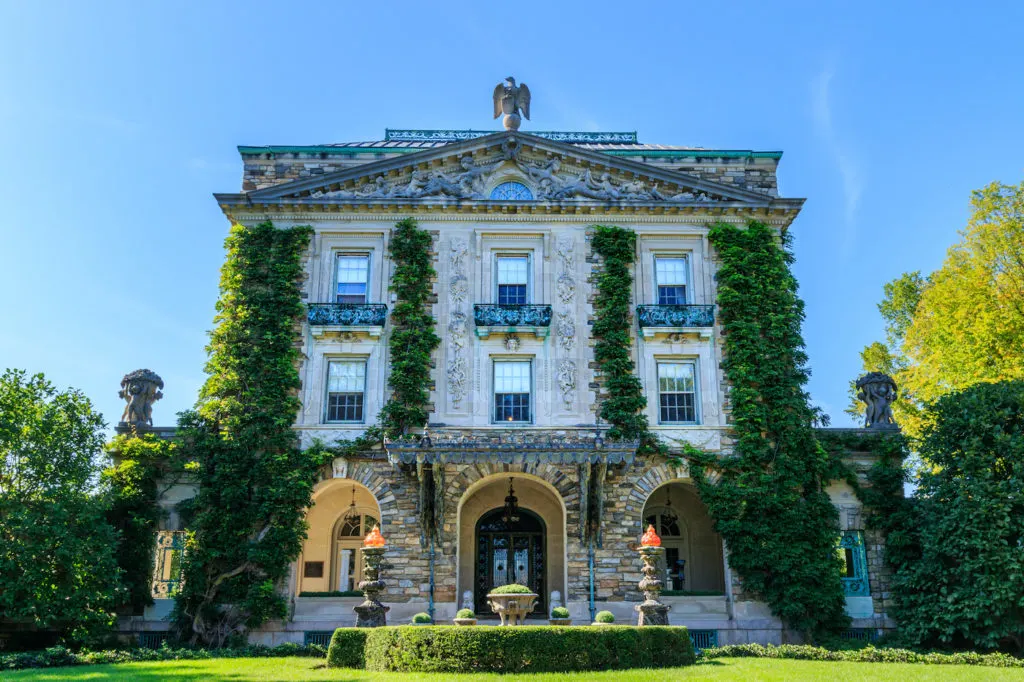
511,319
668,319
342,318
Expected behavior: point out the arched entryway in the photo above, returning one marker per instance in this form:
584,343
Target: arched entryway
693,559
510,551
343,512
494,551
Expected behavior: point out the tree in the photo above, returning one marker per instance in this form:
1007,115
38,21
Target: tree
965,585
964,323
254,481
57,566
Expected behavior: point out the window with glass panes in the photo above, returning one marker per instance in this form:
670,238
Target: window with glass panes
346,385
513,280
511,391
349,540
671,275
677,392
353,275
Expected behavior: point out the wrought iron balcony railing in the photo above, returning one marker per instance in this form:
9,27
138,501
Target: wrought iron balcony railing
348,314
493,315
688,315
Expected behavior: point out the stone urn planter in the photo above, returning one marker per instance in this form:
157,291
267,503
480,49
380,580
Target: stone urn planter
512,608
559,621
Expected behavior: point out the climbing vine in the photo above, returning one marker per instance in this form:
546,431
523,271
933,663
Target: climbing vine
623,406
254,481
131,492
768,501
413,338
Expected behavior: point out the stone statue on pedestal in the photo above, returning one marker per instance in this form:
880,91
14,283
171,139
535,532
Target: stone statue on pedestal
140,389
511,99
877,391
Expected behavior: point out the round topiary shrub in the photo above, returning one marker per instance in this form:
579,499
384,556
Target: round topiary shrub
560,612
465,613
512,588
604,617
422,619
347,647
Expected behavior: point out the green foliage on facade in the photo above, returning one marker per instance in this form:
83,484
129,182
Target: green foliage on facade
960,563
413,338
623,406
57,566
449,649
768,501
131,508
254,481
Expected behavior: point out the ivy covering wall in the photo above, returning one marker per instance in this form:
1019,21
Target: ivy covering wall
413,338
767,498
131,508
623,405
254,481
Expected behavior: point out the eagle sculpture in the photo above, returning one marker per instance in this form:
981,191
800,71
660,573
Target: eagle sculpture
511,99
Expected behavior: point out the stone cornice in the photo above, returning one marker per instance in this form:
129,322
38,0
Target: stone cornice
431,156
780,213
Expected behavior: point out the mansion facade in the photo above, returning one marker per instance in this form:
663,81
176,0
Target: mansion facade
516,391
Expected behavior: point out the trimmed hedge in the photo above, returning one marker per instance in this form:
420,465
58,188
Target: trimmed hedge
448,649
347,648
59,656
604,617
868,654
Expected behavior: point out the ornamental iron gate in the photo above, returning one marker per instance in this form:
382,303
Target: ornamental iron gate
510,553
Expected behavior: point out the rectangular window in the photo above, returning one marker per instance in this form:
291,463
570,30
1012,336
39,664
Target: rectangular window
677,393
513,280
512,391
346,385
671,274
313,569
353,277
854,563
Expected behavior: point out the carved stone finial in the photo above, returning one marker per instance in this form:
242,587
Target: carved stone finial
512,100
877,391
140,389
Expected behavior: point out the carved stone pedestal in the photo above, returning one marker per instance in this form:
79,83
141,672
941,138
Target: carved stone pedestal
651,611
371,613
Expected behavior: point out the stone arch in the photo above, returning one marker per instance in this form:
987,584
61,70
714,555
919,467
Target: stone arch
700,545
365,474
548,473
482,488
331,499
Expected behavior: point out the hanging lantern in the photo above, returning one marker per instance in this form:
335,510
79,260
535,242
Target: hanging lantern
511,514
650,538
669,513
374,538
352,512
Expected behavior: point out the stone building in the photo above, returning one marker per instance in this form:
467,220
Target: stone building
516,394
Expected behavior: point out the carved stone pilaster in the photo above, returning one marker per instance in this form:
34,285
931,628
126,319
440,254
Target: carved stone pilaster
458,319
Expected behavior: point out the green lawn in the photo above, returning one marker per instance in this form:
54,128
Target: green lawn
287,669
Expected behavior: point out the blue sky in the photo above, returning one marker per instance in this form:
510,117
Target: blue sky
118,121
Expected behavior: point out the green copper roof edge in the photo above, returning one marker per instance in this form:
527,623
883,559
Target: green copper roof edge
352,151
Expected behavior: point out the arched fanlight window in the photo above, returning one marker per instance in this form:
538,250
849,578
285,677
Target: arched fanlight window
512,191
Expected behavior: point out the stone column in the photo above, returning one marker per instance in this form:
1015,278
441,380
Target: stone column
652,612
371,613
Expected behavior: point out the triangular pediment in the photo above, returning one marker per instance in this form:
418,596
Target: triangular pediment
468,171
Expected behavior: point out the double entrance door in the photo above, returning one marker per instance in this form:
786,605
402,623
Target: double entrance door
509,553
